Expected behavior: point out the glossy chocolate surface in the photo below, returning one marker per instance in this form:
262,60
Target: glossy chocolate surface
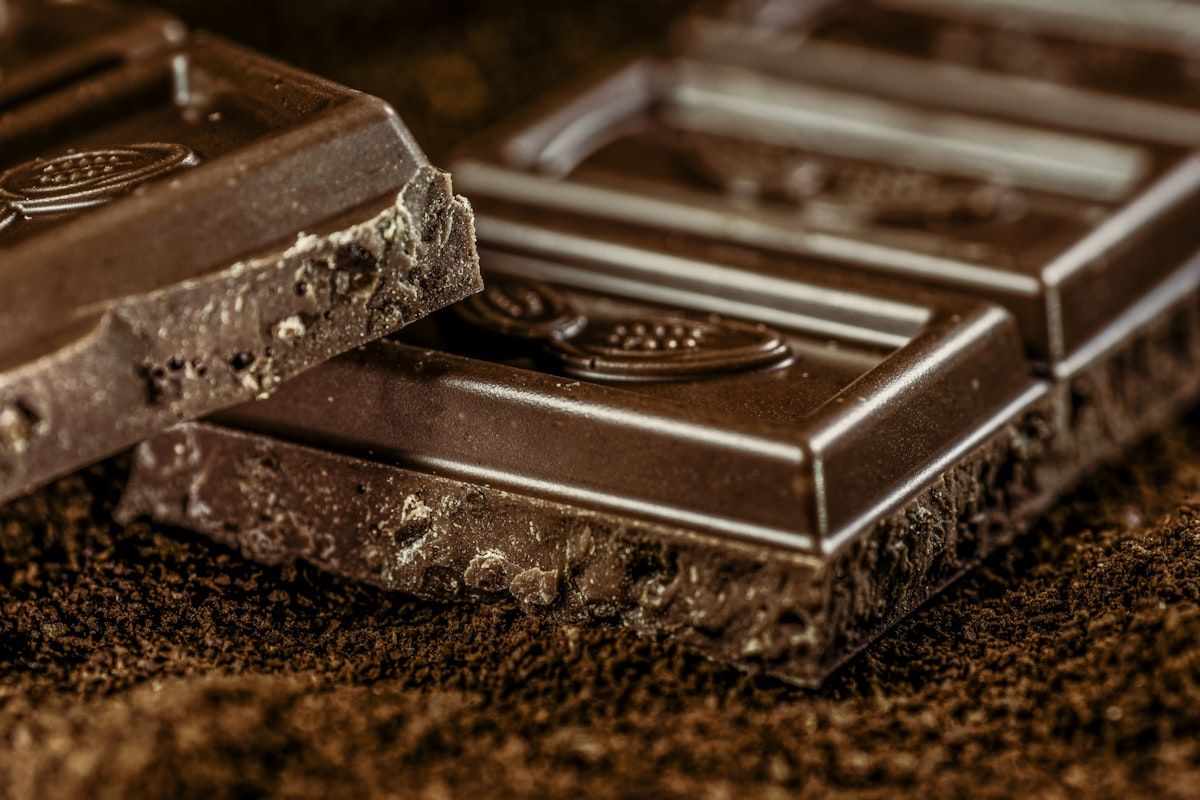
1067,231
183,233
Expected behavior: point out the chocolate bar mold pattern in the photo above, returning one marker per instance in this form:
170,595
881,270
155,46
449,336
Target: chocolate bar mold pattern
183,233
1067,231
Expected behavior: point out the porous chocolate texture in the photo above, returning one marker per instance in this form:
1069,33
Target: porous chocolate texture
184,233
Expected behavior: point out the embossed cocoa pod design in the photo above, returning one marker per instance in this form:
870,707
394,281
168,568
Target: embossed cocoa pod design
906,197
86,178
847,192
7,216
756,170
668,347
523,310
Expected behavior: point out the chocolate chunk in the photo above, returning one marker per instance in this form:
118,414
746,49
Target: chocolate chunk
1070,232
46,45
184,233
773,488
1098,66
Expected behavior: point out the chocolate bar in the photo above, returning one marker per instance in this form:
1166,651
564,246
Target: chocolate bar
1087,241
582,448
45,45
1112,67
771,474
183,233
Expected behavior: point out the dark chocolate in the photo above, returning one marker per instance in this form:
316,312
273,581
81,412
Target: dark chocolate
46,45
1108,66
773,515
184,233
1068,231
717,389
721,447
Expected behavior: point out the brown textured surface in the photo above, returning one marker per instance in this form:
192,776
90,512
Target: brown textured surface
139,661
146,662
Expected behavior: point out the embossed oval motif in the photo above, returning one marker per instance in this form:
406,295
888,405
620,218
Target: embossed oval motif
525,310
849,192
87,178
673,347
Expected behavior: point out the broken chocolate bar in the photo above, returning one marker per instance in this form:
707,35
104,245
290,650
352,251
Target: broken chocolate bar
45,45
1114,67
771,475
1087,241
183,233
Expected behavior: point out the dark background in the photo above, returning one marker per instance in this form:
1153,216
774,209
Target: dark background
449,66
146,662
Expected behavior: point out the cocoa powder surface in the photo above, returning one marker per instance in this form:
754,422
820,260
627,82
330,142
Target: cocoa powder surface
149,662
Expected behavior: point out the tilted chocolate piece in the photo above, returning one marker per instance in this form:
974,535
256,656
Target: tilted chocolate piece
771,474
45,45
182,234
1110,66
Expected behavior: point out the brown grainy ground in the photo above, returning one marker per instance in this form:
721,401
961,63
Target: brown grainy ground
144,662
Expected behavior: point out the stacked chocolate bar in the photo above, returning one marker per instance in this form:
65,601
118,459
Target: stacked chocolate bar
782,331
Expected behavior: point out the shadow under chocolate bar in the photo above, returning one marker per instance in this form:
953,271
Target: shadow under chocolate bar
181,234
1121,68
772,484
1088,242
45,45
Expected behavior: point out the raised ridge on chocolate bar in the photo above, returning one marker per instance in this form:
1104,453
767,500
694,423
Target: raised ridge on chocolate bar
734,469
1112,66
46,45
183,233
1068,231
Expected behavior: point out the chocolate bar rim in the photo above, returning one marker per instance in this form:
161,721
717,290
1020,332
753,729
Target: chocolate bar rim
499,165
352,112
